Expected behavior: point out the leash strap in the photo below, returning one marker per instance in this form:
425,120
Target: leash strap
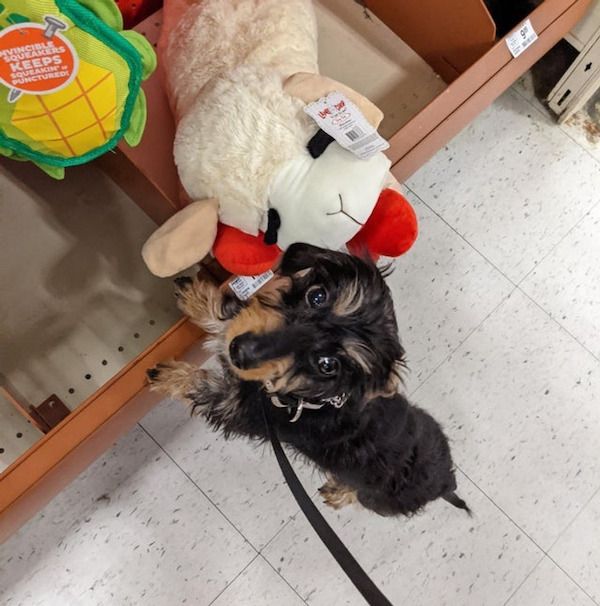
338,550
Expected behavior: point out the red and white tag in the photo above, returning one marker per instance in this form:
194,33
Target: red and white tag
343,120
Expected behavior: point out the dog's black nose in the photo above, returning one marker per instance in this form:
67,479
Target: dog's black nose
242,351
250,350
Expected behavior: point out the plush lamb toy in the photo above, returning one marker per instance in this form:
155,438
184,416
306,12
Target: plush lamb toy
259,171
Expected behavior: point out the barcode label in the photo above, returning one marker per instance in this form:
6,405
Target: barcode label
355,133
245,286
521,39
366,140
343,120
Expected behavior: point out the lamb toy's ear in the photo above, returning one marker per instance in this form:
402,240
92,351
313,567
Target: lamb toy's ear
185,239
311,87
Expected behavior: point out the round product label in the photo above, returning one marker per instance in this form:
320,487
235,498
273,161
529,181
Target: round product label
36,59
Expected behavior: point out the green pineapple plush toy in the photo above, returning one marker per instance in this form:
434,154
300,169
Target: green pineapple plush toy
70,81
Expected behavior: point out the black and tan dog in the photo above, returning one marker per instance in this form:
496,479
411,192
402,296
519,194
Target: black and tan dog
321,348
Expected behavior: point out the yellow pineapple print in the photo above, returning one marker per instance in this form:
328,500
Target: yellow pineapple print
75,119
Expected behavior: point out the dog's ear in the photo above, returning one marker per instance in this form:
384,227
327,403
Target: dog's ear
301,256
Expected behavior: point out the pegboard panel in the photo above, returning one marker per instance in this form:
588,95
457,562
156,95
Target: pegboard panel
86,305
134,11
17,434
150,27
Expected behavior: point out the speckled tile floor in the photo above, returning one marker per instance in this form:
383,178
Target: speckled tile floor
499,308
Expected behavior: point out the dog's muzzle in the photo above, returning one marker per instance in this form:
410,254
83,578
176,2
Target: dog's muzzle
250,350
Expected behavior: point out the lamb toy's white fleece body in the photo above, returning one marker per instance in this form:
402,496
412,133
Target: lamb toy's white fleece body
227,61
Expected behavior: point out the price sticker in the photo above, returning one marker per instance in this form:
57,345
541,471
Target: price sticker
522,38
245,286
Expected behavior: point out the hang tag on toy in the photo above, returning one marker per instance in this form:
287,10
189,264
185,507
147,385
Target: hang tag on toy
245,286
36,59
340,118
521,39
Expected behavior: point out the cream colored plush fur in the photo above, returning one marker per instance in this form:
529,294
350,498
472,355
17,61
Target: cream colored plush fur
211,37
236,164
226,62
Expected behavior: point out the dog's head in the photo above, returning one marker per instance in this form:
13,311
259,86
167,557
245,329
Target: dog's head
330,329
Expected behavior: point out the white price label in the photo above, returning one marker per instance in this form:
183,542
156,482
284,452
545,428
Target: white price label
343,120
245,286
523,37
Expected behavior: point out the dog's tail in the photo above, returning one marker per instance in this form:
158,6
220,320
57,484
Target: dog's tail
455,500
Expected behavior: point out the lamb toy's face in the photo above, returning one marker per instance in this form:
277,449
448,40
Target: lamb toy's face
326,200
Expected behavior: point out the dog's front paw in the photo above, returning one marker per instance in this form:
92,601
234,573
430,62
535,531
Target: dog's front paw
182,283
202,301
176,379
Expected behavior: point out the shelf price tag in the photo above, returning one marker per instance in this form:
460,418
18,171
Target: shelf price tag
522,38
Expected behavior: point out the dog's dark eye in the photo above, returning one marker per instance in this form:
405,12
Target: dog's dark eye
328,366
316,296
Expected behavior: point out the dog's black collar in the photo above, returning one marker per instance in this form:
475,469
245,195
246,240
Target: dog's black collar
298,404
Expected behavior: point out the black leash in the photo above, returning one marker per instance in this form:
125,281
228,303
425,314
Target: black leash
338,550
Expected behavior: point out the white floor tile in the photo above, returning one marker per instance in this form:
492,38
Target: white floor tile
526,88
578,550
440,557
259,585
442,290
512,183
131,530
242,478
584,131
579,127
548,585
519,401
567,282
